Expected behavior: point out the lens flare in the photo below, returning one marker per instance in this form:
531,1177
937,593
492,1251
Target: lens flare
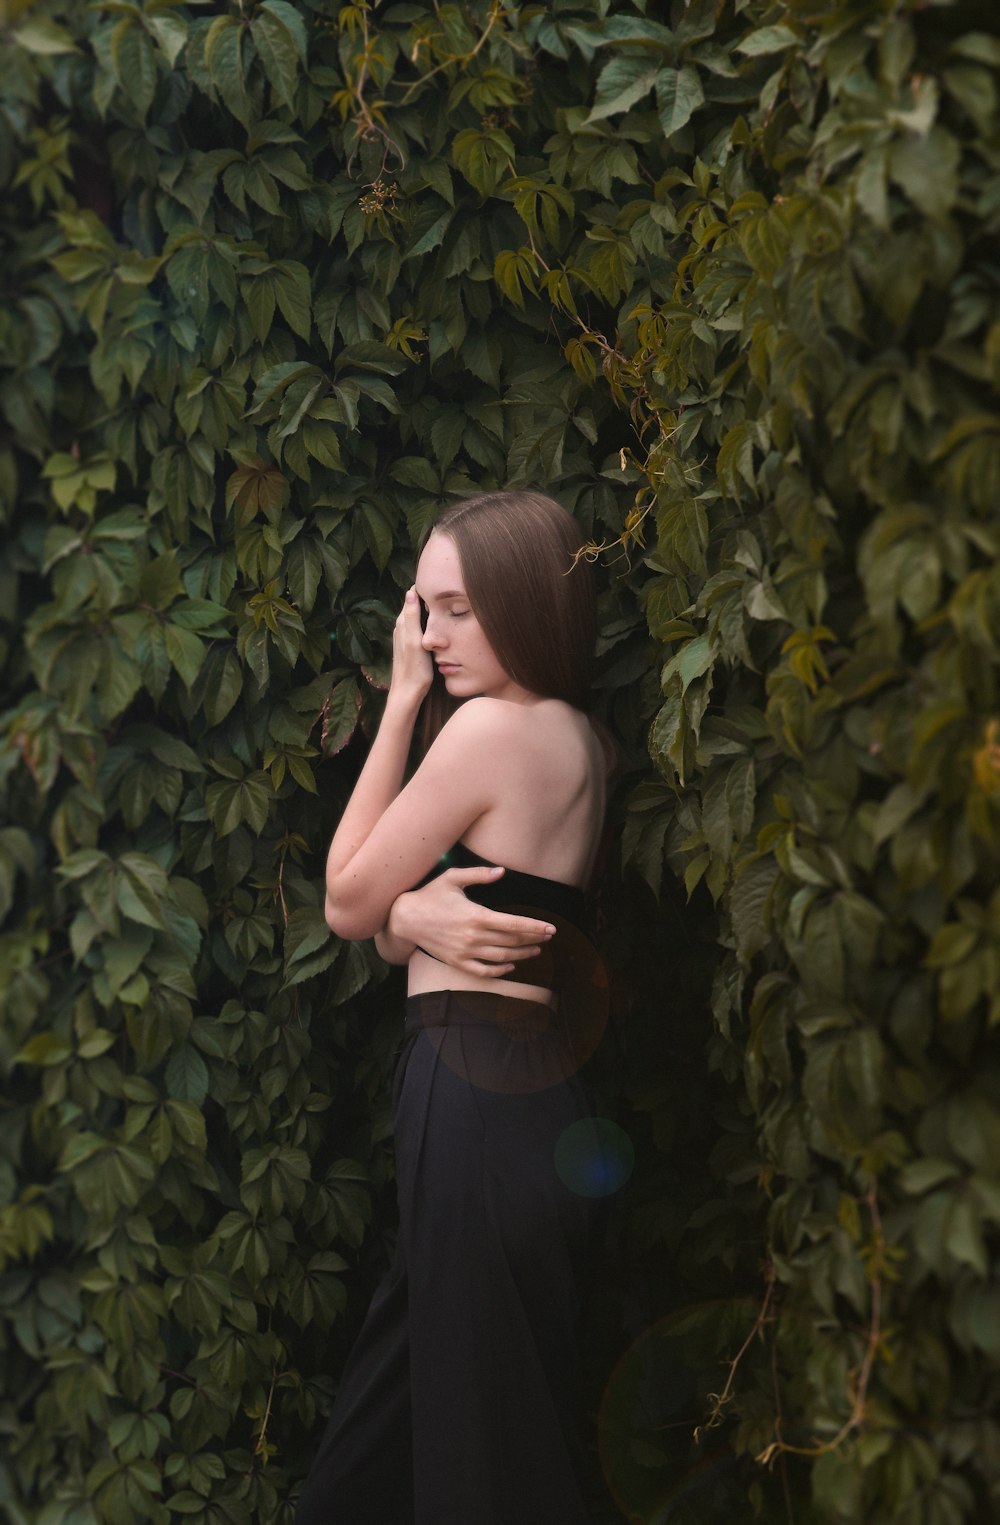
594,1157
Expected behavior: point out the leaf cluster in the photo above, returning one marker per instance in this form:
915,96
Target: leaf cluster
813,379
281,280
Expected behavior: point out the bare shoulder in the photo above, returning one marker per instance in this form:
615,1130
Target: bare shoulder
477,722
549,733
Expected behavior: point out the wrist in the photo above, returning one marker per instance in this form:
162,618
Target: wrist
402,708
396,920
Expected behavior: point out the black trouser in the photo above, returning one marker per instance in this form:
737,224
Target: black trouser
460,1403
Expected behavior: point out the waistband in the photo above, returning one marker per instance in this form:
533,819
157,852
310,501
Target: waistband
477,1008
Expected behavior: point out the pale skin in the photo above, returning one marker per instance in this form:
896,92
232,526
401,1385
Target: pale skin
520,779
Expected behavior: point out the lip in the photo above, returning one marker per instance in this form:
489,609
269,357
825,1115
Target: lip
447,667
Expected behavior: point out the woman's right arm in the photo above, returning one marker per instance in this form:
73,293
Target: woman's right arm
441,920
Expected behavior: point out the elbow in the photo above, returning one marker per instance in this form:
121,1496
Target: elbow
349,921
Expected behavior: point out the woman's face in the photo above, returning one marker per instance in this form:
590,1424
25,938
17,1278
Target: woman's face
452,633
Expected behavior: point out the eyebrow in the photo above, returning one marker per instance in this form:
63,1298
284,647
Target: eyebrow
454,594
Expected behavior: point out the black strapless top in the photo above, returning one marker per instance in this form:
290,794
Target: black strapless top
551,897
521,894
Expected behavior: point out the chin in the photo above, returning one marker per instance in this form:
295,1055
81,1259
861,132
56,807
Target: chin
460,687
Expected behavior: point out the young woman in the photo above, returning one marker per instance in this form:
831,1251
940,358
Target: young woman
459,1403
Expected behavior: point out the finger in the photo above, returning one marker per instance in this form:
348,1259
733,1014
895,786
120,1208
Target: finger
519,954
522,929
488,946
485,873
480,934
410,610
489,971
498,923
515,931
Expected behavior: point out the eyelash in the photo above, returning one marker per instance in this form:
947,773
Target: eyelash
456,614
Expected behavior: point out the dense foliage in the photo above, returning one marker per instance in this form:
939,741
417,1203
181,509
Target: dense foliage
279,280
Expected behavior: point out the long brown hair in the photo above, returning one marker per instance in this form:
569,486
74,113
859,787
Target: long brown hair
530,590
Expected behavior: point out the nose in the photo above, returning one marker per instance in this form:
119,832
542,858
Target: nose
433,637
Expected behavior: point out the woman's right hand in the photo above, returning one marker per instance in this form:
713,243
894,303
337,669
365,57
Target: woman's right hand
440,919
412,666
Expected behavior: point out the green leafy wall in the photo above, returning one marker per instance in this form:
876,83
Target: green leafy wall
281,279
815,382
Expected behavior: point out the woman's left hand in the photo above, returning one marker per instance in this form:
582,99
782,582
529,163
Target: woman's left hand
412,666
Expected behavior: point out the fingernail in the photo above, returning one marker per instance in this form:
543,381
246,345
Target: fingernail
550,931
411,594
495,873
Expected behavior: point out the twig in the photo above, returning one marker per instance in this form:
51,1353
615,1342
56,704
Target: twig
856,1417
496,11
720,1400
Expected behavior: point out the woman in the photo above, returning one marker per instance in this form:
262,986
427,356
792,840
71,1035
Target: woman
459,1403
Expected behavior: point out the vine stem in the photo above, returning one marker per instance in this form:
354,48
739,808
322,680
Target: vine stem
365,125
721,1399
496,11
856,1417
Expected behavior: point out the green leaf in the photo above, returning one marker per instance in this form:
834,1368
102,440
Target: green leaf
340,716
135,64
44,1049
981,46
767,39
185,651
926,168
259,295
692,660
171,32
622,82
679,93
225,687
248,799
224,61
483,157
589,36
749,900
277,48
187,1076
291,19
293,293
433,237
43,36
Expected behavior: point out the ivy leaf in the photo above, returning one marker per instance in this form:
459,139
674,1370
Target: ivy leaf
185,651
767,39
692,660
483,157
42,36
248,799
171,32
293,293
679,93
621,83
926,168
224,62
280,41
186,1076
340,716
257,486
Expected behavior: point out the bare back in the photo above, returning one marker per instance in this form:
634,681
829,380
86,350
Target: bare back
545,777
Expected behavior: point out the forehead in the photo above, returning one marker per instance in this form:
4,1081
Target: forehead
439,570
